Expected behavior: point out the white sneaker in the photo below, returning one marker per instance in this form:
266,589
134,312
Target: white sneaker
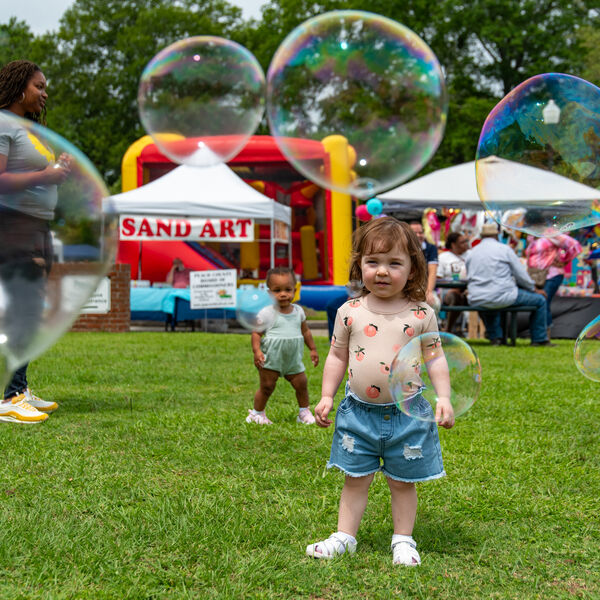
18,410
37,402
258,418
334,545
306,417
405,553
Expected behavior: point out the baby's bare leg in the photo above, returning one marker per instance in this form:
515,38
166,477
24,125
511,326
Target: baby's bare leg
353,502
268,380
300,384
404,506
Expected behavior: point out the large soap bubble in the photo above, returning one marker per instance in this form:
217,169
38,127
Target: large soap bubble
44,228
537,159
587,350
201,98
410,374
367,87
256,309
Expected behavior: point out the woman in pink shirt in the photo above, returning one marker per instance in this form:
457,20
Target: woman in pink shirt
552,253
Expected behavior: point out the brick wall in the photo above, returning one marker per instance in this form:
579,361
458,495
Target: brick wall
119,317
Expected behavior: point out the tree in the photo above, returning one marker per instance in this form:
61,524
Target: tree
590,41
102,49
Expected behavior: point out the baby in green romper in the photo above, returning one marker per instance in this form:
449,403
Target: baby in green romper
279,352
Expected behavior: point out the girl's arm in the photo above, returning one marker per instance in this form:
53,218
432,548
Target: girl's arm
333,373
259,357
310,343
437,368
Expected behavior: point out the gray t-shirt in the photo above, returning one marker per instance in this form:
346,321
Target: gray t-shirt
25,153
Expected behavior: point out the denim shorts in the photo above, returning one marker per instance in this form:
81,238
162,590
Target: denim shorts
379,437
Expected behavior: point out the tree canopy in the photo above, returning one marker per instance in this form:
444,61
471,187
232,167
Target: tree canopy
486,47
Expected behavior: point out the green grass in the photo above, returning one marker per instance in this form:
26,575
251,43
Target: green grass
147,483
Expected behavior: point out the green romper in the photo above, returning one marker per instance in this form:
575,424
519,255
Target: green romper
283,343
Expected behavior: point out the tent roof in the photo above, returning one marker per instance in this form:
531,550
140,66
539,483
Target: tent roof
456,187
209,192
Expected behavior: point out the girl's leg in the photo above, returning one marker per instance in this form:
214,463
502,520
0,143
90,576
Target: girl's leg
268,379
353,502
404,506
300,384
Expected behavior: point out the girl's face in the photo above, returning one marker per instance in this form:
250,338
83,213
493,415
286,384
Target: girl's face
385,274
35,94
283,288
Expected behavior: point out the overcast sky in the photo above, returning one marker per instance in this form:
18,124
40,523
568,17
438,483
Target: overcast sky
43,15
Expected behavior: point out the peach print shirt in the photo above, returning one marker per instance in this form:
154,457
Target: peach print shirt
373,339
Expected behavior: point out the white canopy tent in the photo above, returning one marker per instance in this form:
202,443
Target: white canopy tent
209,192
568,204
456,187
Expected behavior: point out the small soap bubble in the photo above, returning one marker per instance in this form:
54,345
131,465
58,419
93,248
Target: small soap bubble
535,164
410,380
369,89
201,99
256,309
587,350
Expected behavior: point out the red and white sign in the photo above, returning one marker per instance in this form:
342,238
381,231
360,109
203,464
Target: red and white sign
132,227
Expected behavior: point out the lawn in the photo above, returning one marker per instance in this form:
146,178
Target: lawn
147,483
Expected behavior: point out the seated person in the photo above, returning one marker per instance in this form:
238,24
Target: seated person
452,265
498,279
179,275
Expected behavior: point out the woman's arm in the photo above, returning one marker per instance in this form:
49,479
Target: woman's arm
11,182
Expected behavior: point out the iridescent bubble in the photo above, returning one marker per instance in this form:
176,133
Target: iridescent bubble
434,352
256,309
587,350
537,160
201,98
45,280
367,87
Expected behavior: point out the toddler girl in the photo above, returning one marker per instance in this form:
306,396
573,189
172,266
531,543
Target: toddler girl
279,352
371,433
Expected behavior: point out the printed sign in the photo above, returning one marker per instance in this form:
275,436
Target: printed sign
76,287
213,289
138,228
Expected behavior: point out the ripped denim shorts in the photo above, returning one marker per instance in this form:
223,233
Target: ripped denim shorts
379,437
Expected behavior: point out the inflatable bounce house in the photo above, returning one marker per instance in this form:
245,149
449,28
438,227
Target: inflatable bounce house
320,226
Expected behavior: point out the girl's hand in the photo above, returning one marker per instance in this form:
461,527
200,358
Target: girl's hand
259,360
314,357
444,413
322,410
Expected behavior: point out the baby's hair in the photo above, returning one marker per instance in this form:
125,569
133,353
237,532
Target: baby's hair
453,237
381,235
280,271
14,77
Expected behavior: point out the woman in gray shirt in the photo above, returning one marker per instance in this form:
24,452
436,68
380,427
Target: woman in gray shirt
29,177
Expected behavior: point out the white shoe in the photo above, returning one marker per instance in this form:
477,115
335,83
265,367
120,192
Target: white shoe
334,545
306,417
18,410
258,418
37,402
405,553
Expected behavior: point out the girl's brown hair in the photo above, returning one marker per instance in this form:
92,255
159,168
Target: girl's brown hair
382,235
14,77
280,271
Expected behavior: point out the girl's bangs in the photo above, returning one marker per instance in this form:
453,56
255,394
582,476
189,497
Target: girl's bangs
380,244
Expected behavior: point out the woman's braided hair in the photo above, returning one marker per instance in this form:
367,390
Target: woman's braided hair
14,77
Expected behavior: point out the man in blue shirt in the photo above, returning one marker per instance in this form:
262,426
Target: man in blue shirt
497,279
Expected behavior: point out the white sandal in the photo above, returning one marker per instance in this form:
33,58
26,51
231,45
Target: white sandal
405,553
334,545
